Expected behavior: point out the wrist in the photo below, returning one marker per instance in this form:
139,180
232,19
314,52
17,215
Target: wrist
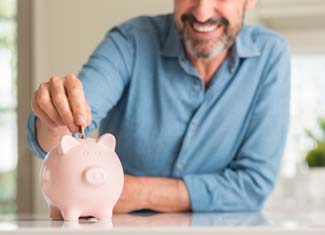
145,184
184,195
48,136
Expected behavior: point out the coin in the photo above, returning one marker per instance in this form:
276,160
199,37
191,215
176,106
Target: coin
81,132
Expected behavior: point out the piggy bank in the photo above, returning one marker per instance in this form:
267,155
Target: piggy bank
81,178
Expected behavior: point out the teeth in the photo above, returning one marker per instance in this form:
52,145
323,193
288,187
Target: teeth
204,28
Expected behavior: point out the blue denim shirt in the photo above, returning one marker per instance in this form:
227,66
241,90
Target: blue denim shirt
225,142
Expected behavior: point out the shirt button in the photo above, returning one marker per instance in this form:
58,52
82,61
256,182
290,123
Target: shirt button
196,87
180,166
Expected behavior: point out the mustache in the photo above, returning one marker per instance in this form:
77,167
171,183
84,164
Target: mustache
189,17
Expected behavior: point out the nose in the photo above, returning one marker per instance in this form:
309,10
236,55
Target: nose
203,10
95,176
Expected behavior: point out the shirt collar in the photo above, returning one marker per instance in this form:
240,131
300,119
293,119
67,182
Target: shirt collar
243,47
173,46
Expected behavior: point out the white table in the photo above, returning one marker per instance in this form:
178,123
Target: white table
267,222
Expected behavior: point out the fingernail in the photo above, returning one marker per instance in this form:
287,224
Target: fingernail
73,128
80,120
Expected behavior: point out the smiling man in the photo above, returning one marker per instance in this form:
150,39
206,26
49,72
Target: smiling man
198,103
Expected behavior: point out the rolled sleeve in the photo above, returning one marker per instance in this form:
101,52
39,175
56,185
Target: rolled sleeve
31,137
250,176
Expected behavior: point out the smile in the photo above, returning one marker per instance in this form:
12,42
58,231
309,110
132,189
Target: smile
204,28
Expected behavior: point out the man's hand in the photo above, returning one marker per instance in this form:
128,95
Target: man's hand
60,107
155,193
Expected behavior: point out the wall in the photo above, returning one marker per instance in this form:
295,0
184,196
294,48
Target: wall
66,32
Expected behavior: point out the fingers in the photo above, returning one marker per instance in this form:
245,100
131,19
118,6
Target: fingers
76,99
44,102
61,102
39,112
88,114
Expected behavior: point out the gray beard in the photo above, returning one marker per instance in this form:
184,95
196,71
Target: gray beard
220,46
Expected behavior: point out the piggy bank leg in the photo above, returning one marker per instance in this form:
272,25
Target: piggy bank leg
71,214
55,213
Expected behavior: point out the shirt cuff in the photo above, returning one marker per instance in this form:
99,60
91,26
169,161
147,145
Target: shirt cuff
31,137
201,198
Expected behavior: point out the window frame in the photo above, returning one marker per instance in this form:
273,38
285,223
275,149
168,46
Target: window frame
25,168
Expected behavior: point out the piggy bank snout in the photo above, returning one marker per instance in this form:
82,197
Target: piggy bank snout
95,176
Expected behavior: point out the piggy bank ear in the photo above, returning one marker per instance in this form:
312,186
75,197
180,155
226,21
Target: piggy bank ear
67,143
107,140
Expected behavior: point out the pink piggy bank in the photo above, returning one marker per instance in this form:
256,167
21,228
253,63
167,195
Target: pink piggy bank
82,177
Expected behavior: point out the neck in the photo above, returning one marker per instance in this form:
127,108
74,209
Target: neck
207,67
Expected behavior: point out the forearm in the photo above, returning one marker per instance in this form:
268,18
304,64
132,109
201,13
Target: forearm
48,136
166,194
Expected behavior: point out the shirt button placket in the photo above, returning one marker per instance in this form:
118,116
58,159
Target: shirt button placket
192,125
180,165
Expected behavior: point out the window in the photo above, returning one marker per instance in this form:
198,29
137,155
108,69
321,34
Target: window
8,104
307,106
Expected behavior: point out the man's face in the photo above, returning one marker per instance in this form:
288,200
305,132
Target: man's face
208,27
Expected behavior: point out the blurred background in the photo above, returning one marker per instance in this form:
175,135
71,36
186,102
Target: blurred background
39,38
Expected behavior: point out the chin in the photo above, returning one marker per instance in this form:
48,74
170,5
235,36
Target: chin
206,52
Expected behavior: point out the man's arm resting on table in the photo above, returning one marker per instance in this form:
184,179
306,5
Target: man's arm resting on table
167,195
155,193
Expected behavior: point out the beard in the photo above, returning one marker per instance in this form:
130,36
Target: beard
208,48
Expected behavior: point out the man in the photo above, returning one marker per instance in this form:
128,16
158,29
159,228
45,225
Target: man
198,104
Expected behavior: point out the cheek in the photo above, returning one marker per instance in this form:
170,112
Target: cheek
178,22
232,12
180,8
